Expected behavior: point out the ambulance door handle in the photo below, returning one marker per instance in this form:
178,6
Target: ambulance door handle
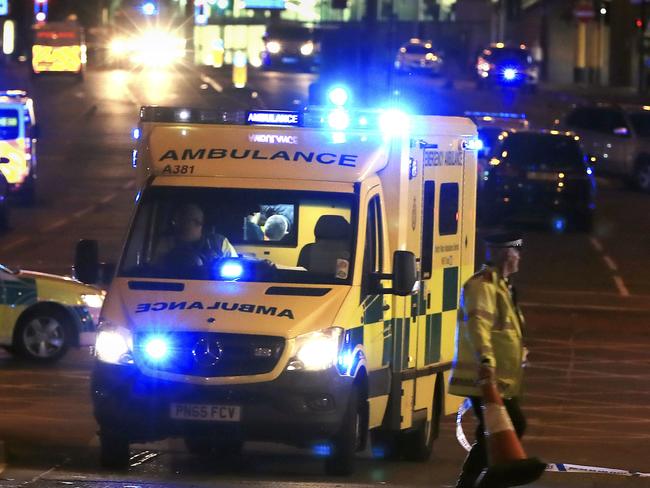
386,307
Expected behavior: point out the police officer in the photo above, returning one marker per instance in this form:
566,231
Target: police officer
489,344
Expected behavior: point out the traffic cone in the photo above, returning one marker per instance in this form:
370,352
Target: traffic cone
508,463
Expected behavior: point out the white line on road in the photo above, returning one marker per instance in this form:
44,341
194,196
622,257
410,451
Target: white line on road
610,263
108,198
596,243
15,243
80,213
213,83
622,289
56,225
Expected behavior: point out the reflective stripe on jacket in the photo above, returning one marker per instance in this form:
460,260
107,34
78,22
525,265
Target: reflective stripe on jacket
489,330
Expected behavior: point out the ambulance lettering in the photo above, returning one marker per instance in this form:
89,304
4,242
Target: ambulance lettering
189,154
443,158
226,306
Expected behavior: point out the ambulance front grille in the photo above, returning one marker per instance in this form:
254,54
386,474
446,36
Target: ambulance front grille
210,354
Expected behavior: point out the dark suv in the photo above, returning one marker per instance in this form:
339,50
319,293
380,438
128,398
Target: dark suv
539,177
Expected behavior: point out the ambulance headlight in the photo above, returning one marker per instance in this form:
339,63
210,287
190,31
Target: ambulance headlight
317,351
94,300
114,345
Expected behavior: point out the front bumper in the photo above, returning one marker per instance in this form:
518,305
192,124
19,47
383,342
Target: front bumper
296,408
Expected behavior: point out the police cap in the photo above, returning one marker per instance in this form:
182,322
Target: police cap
505,240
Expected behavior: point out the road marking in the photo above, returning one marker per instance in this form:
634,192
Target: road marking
108,198
80,213
610,263
213,83
596,243
15,243
142,457
128,185
622,289
594,308
56,225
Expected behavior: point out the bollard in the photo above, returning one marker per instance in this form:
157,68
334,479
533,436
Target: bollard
239,69
217,53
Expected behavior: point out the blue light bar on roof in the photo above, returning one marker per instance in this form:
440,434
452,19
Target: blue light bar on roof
273,117
502,115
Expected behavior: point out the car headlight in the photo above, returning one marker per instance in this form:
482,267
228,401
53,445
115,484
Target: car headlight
307,49
93,300
114,346
273,47
316,351
119,47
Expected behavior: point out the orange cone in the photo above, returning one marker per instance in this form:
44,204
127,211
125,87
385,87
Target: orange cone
508,463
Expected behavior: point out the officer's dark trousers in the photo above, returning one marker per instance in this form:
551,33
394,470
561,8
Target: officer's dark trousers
477,458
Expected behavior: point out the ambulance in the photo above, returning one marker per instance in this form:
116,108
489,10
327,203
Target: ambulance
59,47
18,133
290,277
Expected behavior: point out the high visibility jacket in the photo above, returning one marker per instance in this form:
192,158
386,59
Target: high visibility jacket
489,331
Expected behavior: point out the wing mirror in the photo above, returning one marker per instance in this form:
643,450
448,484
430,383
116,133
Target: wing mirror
87,267
404,275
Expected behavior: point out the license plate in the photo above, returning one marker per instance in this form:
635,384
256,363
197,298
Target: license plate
206,413
289,60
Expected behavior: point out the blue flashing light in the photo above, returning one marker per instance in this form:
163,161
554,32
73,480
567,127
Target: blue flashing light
231,270
378,452
510,74
149,8
156,348
134,158
502,115
272,117
590,171
338,119
474,145
393,123
323,450
559,224
338,96
136,133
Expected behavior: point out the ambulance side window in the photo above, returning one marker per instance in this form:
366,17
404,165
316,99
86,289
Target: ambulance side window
373,254
448,220
427,227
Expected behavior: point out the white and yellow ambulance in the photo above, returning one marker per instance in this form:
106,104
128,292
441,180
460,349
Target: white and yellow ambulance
18,134
59,47
290,277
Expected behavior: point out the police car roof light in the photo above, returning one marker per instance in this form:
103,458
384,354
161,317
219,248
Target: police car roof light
503,115
338,96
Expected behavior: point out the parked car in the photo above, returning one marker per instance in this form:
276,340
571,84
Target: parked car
419,56
43,315
539,176
506,66
618,137
290,46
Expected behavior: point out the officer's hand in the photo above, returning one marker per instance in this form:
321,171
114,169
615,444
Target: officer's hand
524,358
486,374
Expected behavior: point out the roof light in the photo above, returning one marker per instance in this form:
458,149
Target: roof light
473,145
338,119
338,96
136,133
394,122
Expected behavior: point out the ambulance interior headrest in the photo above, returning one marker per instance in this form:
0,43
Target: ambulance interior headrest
332,227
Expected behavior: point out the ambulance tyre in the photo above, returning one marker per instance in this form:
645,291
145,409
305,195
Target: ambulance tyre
114,452
349,438
417,444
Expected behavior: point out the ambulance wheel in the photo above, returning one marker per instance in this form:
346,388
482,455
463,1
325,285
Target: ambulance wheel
417,444
114,452
349,439
43,334
28,191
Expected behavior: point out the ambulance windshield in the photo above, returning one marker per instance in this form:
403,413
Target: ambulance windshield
243,234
